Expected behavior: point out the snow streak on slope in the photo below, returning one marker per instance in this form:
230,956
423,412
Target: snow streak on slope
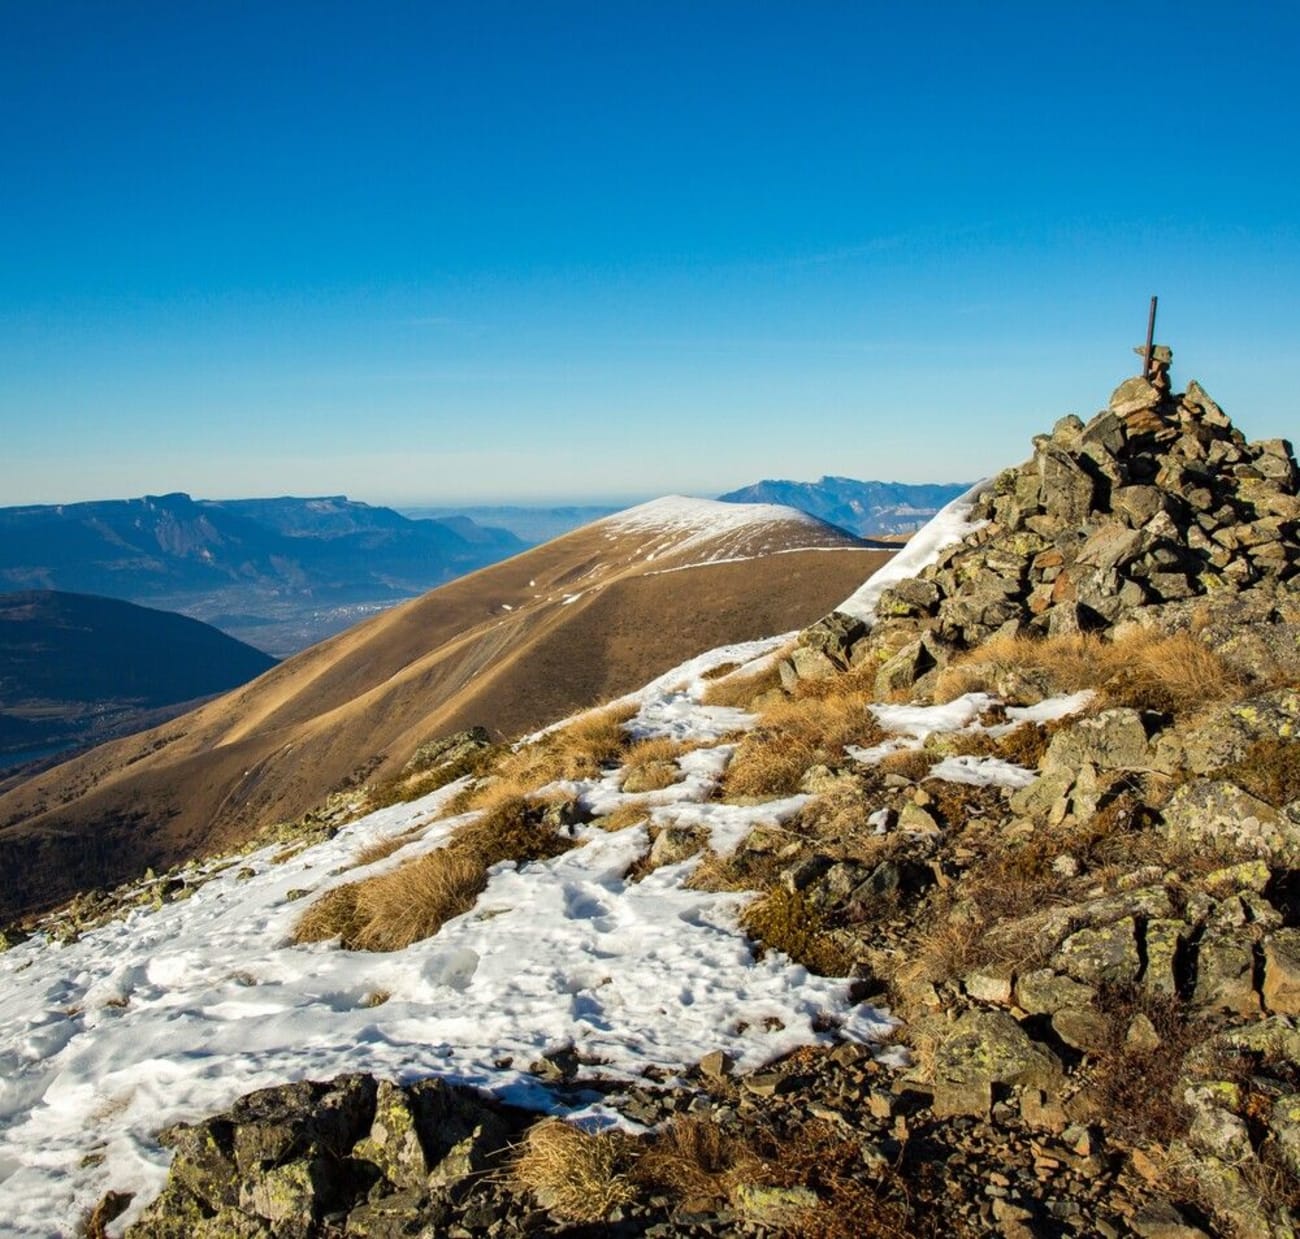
950,525
730,530
172,1013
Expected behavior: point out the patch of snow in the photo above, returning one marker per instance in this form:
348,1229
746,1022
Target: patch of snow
172,1013
1052,708
982,772
950,524
681,523
922,721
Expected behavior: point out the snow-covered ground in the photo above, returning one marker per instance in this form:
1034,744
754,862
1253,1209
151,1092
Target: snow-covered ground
949,525
172,1013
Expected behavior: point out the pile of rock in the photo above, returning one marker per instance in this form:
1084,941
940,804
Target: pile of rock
1158,500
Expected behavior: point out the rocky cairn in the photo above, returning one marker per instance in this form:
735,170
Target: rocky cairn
1155,504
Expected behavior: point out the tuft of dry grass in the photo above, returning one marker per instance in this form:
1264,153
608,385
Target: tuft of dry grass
1173,673
579,750
795,735
652,764
391,910
405,787
381,849
577,1175
695,1160
631,814
739,688
1269,769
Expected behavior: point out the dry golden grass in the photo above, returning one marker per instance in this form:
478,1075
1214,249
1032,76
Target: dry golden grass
795,735
695,1160
652,764
740,689
578,751
391,910
1269,769
742,870
1172,673
380,850
624,816
577,1175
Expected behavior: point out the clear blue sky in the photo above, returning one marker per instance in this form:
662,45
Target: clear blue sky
437,252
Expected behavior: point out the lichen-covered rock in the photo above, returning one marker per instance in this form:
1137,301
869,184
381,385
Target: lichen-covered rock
1225,968
1113,740
1107,954
1044,992
1281,988
987,1049
1227,732
1220,815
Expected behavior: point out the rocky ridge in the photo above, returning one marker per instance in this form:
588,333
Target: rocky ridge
1087,917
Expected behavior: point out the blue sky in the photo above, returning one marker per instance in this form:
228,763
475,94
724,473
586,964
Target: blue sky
446,253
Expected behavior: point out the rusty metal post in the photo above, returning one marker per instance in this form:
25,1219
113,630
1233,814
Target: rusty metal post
1151,337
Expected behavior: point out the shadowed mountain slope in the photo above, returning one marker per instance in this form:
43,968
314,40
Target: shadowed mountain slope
514,646
75,668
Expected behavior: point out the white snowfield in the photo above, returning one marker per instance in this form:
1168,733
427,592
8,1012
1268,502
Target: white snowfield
731,531
172,1013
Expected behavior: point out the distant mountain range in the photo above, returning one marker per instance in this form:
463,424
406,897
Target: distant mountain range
534,525
280,573
865,508
76,669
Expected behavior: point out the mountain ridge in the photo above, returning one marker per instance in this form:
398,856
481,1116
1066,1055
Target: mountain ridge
587,615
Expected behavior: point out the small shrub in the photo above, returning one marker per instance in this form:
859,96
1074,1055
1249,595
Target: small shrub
784,921
695,1160
1145,669
391,910
795,735
577,1175
739,688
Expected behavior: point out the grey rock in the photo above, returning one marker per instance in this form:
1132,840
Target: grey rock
1281,988
1113,740
1225,966
1084,1029
1107,954
1133,396
1045,991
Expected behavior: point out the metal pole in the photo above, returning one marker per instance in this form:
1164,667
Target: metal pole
1151,336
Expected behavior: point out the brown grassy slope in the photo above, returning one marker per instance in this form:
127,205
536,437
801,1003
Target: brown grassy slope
356,706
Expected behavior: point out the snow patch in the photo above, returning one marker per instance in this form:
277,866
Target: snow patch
949,525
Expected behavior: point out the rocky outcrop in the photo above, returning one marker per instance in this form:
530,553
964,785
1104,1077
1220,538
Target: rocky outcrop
1156,505
354,1156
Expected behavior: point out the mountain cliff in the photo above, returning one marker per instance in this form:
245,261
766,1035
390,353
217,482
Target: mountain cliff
261,567
870,509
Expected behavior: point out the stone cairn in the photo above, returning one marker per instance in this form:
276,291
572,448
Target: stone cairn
1155,509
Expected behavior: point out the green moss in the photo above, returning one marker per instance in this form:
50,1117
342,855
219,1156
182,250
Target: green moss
783,920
